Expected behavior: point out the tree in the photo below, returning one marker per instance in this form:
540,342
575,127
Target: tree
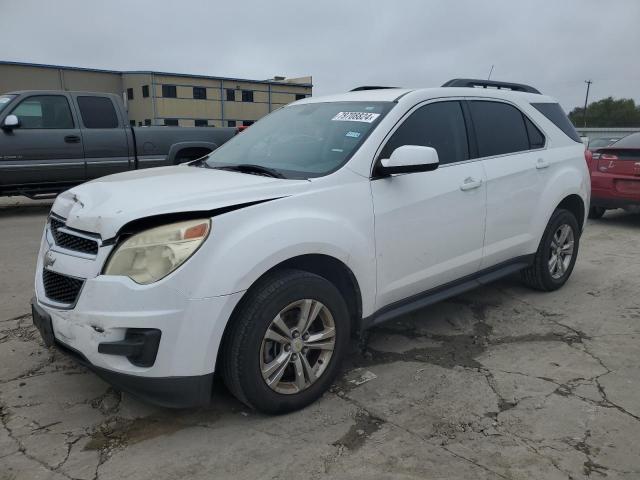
608,112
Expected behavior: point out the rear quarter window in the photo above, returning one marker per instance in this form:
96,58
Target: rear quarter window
555,114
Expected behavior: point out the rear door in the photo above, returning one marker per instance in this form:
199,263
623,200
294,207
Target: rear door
513,153
429,226
45,148
104,136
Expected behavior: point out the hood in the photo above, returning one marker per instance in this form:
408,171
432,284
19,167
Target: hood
104,205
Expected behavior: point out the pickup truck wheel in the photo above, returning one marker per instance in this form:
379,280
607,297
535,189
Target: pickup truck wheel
556,255
596,212
286,342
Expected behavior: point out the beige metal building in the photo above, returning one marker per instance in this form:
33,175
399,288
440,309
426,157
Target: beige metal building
157,98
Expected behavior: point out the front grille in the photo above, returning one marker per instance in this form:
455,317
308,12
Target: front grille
70,241
61,288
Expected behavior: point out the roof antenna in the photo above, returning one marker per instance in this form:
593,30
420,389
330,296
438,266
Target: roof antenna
490,72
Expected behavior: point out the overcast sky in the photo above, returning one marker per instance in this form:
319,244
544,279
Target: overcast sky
554,45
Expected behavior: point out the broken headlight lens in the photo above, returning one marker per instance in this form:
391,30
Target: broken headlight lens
153,254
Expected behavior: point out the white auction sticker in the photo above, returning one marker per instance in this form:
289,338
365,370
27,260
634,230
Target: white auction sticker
366,117
4,100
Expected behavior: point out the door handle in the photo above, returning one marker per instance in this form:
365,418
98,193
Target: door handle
542,163
470,183
72,139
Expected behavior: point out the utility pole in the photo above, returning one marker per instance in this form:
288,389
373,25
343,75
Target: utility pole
490,72
586,99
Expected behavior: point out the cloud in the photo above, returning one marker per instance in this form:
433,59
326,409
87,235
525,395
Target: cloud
553,45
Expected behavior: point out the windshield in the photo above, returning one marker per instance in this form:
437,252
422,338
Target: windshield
303,141
4,101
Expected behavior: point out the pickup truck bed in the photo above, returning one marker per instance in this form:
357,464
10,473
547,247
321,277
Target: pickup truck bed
52,140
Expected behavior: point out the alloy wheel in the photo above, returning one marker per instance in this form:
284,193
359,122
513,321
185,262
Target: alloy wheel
297,346
561,251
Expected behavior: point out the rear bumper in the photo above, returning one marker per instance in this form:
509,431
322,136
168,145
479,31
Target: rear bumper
606,192
614,201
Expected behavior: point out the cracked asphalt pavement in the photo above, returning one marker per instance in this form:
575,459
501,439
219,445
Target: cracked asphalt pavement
502,382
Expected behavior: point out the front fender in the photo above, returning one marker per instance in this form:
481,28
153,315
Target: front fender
247,243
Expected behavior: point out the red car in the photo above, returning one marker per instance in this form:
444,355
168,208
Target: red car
615,176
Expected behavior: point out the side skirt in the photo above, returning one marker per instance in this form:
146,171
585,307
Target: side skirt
435,295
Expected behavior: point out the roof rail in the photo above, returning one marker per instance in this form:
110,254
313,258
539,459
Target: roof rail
472,82
369,87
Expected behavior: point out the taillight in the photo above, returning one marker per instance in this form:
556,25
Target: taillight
608,156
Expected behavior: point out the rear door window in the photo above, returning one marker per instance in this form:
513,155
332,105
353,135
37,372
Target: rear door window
555,114
500,128
44,111
438,125
98,112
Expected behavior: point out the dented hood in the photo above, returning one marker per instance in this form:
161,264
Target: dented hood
104,205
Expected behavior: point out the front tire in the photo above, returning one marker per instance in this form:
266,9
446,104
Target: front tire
596,212
287,341
556,255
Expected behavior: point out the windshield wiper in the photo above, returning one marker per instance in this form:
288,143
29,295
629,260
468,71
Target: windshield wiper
252,169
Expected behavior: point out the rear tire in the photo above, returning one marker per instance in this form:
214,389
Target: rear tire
596,212
556,255
273,361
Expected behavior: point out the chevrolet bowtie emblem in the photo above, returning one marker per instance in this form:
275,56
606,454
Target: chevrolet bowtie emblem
49,259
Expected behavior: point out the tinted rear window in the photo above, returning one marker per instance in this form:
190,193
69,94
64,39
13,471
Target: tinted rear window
630,141
97,112
500,128
555,114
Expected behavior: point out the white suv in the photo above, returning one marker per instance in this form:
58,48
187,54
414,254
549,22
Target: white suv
325,218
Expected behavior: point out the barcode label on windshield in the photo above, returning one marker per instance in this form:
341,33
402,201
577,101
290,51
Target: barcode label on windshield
355,117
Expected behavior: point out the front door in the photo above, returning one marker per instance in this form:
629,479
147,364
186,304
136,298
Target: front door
429,226
46,147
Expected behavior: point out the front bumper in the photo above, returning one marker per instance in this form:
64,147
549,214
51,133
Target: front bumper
171,392
96,329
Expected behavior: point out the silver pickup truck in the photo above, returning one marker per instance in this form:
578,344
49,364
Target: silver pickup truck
52,140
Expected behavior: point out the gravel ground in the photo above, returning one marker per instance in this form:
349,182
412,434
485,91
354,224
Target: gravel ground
502,382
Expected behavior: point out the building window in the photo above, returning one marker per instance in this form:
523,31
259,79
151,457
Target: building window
147,122
173,122
202,123
231,123
145,91
247,123
199,93
300,96
132,123
169,91
231,95
247,95
129,93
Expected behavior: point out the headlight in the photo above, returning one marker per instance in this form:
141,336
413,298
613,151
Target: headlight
153,254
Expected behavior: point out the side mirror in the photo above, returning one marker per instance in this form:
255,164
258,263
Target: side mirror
409,159
10,122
